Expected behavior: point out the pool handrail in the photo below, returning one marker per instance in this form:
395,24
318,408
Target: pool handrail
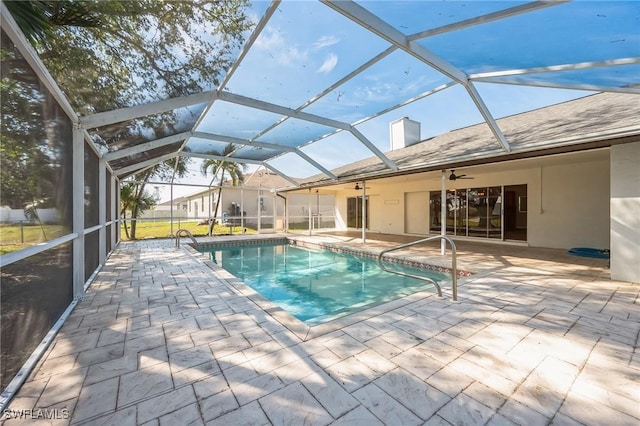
184,233
454,268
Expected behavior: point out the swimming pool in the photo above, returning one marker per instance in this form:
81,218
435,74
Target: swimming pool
316,286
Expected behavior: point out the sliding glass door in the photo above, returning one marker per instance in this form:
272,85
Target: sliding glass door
479,212
354,212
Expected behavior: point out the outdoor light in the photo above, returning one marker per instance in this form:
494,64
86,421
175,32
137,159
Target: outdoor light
357,188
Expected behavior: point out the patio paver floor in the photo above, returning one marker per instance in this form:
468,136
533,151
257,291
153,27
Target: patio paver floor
162,339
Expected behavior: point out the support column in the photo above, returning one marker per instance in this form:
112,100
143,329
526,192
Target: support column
115,211
102,209
78,212
309,210
364,212
443,212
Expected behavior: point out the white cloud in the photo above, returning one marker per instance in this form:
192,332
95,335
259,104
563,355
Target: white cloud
326,41
329,64
272,43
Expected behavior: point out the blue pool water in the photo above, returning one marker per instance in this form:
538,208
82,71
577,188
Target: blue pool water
317,286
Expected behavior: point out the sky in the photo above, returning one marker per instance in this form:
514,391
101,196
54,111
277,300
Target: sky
306,48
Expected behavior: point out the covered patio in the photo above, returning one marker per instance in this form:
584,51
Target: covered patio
537,337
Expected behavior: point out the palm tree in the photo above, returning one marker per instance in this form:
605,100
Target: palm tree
218,169
134,199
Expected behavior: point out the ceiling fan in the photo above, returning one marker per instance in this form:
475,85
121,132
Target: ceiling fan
453,176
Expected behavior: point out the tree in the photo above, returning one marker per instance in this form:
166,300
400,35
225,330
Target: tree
134,192
218,169
113,54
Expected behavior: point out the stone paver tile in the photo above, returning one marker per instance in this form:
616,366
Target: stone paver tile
229,345
325,358
152,357
209,386
439,350
375,361
351,374
417,363
218,404
145,383
71,345
186,416
180,327
250,414
451,340
401,339
109,369
463,410
383,347
204,337
612,378
362,332
239,373
609,397
109,337
256,388
467,328
57,365
498,363
562,420
384,407
421,398
126,417
256,336
500,420
273,360
62,387
523,415
358,417
166,403
96,399
196,373
485,395
329,393
436,421
100,354
490,378
33,388
144,343
190,358
179,343
294,405
296,370
345,346
450,381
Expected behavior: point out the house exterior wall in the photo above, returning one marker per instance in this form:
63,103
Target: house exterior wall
625,212
575,207
568,202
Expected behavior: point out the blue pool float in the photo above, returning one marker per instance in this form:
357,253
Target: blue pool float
590,252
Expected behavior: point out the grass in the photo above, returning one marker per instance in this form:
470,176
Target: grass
14,237
163,229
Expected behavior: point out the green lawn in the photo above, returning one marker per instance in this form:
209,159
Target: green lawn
14,237
163,229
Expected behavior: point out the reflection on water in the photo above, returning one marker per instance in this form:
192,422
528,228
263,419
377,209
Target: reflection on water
315,286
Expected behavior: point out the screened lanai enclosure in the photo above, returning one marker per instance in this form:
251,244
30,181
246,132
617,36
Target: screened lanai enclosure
301,90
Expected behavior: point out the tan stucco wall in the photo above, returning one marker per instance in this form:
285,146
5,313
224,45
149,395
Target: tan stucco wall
568,200
625,212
